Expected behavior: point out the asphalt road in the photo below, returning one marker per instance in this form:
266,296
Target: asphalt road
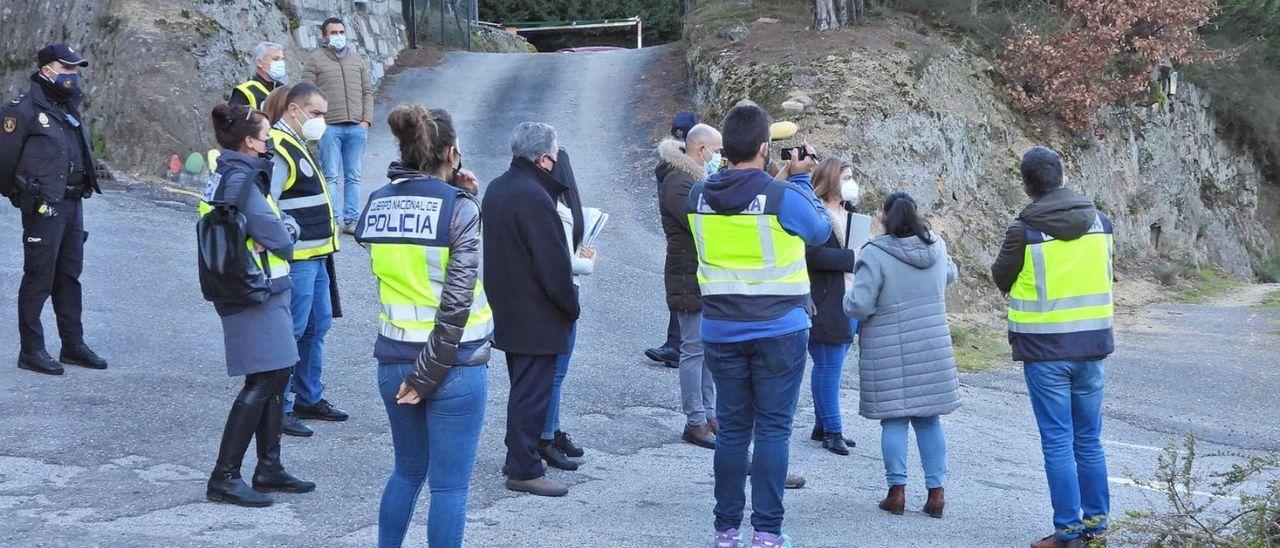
119,458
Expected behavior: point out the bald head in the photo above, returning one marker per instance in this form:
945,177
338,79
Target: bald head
702,142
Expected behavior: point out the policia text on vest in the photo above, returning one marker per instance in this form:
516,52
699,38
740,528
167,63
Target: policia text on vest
405,226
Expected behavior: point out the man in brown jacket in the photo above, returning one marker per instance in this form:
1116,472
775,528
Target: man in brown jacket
343,75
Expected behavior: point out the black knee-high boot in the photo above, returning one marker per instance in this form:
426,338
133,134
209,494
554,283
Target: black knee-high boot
270,474
226,485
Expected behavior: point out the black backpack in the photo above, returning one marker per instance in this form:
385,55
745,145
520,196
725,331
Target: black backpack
228,272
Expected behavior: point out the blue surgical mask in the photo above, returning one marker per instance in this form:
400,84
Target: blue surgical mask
338,41
67,82
277,71
712,165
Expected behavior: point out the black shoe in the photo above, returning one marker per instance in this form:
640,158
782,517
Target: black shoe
819,434
229,488
554,457
322,410
295,427
280,480
834,442
80,354
565,444
664,355
39,361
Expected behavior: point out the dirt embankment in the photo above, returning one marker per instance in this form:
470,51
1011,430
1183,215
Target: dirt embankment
914,107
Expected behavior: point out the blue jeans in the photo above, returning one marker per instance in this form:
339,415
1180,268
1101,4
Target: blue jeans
757,385
435,441
312,316
562,369
341,151
931,442
828,361
1067,399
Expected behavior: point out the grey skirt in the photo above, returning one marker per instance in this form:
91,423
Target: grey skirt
260,338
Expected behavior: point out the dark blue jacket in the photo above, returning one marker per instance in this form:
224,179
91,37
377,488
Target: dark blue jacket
45,143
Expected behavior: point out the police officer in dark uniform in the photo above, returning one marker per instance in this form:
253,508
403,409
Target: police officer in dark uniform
46,170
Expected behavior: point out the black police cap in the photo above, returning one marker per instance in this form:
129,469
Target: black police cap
61,53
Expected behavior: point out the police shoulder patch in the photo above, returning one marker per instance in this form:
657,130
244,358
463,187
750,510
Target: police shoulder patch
10,124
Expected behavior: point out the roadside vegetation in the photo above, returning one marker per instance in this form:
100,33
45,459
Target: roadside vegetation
1191,284
1271,302
1210,500
979,348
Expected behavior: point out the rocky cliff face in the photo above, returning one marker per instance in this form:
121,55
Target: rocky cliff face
158,66
922,113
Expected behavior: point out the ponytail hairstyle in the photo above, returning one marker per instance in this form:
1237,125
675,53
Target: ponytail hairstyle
276,103
902,220
232,123
425,136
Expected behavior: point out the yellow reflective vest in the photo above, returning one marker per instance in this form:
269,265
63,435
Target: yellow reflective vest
1060,306
749,267
406,226
306,198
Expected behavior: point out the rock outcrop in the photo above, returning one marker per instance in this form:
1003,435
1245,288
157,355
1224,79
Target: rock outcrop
158,66
923,113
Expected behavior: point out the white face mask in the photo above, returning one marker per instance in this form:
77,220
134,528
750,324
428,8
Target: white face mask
338,41
277,70
849,191
312,129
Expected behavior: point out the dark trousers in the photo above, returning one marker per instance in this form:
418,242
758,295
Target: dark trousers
531,381
673,332
53,257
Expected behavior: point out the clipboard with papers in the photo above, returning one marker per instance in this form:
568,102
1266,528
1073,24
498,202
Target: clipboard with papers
593,221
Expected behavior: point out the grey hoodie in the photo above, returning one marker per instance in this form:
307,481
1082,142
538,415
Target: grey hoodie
1062,213
906,367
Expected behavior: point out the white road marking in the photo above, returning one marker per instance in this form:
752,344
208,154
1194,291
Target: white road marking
1131,483
1132,445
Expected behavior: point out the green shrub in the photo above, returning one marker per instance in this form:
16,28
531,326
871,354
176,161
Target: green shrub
1167,273
1269,270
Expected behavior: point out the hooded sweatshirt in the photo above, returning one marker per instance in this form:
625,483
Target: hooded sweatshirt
1062,213
801,214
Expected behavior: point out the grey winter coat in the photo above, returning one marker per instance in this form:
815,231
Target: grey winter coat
906,367
258,337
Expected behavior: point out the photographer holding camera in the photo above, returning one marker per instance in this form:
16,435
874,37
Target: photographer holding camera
750,231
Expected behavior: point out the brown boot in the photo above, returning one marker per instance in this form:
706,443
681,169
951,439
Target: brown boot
896,502
700,436
936,501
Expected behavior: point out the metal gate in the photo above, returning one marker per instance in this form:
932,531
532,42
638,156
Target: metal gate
444,22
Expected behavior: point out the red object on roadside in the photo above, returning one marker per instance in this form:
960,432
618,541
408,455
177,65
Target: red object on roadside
175,164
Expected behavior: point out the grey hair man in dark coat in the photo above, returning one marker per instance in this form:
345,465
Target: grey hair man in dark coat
529,279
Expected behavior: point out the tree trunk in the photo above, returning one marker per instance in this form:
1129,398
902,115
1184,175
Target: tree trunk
834,14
